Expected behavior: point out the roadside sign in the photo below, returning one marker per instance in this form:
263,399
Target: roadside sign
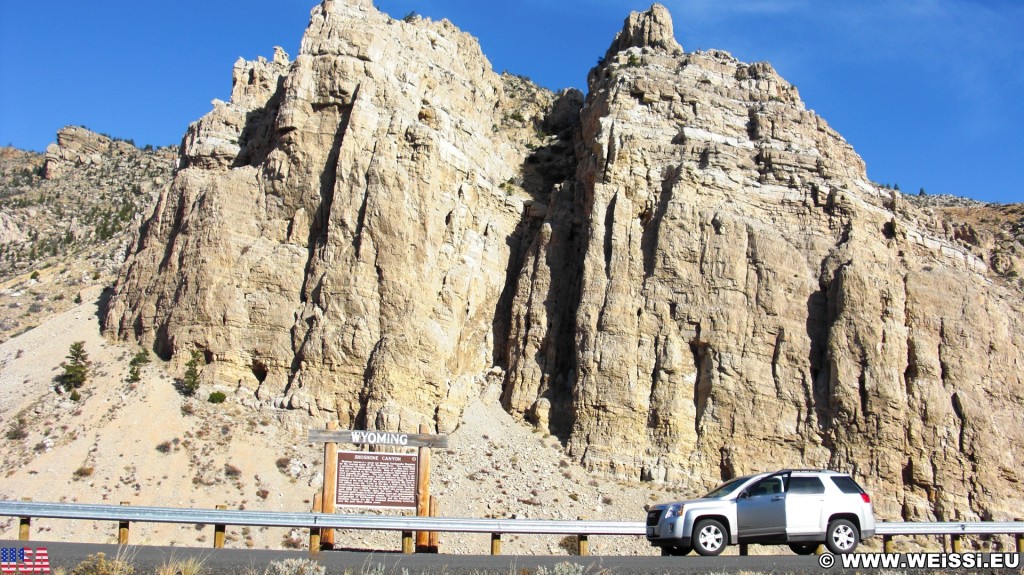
380,480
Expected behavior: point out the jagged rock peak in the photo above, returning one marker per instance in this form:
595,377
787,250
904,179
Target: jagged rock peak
652,28
328,5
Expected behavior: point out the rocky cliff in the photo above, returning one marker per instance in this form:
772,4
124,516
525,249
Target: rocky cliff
66,218
685,275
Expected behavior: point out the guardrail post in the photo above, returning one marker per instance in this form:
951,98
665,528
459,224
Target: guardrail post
407,546
314,532
887,544
582,541
1020,539
24,526
958,544
744,549
218,531
122,528
495,543
583,544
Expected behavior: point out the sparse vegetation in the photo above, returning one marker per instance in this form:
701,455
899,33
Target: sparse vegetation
295,566
18,430
84,471
293,540
135,366
190,566
76,370
570,544
217,397
98,564
563,568
283,463
190,382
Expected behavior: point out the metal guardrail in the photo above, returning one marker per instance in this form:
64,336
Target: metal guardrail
316,521
889,528
313,520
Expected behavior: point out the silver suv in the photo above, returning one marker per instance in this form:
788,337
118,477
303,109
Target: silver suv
803,508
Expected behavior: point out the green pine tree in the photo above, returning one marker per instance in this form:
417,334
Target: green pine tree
135,366
190,383
76,371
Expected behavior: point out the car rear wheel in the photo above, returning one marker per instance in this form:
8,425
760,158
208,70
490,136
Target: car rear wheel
803,548
709,537
842,536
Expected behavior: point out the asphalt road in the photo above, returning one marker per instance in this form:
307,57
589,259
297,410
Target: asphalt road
147,559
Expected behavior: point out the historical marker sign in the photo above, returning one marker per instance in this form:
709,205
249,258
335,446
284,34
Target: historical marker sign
385,480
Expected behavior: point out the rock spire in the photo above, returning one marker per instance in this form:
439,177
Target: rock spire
649,29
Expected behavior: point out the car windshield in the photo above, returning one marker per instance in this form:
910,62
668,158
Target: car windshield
727,488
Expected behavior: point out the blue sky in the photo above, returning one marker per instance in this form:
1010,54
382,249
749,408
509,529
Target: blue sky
929,92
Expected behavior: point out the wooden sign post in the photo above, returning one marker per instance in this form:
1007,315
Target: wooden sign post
423,495
378,480
330,485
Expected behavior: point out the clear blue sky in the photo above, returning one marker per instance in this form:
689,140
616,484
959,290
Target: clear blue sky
929,92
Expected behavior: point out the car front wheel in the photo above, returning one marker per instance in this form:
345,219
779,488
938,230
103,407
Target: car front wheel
709,537
842,536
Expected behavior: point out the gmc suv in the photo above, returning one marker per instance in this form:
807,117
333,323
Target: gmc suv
802,508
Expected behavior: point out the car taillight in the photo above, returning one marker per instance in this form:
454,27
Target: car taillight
865,497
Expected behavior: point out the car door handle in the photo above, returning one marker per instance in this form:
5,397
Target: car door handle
777,498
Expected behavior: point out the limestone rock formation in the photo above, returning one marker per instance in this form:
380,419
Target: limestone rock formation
81,146
686,275
339,234
9,230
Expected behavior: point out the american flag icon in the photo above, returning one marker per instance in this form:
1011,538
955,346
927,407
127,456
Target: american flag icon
24,560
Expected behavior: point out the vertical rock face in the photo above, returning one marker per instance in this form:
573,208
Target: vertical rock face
686,276
747,300
339,233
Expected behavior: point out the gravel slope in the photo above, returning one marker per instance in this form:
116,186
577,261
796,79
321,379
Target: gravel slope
146,444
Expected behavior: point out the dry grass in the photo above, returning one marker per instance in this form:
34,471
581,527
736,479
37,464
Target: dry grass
190,566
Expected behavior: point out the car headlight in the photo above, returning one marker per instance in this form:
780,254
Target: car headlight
673,511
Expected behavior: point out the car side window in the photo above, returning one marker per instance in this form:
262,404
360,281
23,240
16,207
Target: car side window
806,485
767,486
847,485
